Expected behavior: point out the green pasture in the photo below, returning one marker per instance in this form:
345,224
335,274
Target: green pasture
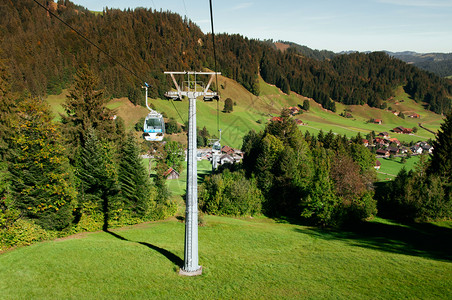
253,112
252,258
391,167
178,186
233,125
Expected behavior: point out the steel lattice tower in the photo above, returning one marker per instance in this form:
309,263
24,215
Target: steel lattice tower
191,264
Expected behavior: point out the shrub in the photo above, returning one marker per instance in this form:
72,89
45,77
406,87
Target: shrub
22,233
230,193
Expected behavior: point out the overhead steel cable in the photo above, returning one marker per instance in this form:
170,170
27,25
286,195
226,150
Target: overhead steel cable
215,65
99,48
86,39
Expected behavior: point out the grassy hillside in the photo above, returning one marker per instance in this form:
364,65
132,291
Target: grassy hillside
251,112
241,258
391,167
251,109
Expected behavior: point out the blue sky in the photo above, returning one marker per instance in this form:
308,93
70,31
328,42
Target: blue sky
393,25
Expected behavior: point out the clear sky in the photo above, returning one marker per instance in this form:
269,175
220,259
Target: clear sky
336,25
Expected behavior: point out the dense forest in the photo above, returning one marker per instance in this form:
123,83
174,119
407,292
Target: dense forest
43,55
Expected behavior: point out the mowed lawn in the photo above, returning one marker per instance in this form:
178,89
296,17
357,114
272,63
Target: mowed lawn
241,259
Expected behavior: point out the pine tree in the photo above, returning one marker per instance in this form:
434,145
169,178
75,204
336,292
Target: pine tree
441,161
85,109
7,109
96,170
41,181
134,179
228,105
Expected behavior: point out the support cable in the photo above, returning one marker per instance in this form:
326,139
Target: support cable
172,102
86,39
215,66
98,47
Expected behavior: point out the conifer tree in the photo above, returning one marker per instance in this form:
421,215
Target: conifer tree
96,170
85,109
41,181
7,109
134,179
441,161
228,105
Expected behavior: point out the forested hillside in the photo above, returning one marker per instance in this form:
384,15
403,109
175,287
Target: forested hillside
438,63
44,54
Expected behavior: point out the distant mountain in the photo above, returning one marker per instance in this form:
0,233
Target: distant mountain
414,57
438,63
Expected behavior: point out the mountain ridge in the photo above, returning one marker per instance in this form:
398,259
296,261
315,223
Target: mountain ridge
43,55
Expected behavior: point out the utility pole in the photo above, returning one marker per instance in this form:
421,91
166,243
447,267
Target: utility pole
192,91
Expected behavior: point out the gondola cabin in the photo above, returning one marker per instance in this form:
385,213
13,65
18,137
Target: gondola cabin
154,127
216,148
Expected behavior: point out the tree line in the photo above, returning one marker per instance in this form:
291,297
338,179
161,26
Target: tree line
84,173
325,180
424,193
44,54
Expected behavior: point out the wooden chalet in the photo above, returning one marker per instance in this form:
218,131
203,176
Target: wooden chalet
227,150
402,129
396,141
299,122
171,174
294,110
384,134
383,152
393,150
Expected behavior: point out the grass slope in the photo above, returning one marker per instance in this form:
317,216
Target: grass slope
391,167
241,259
252,113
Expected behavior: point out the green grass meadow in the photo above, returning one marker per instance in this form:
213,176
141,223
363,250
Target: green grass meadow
241,259
253,112
391,167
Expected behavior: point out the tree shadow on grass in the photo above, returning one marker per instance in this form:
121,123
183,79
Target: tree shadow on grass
424,240
169,255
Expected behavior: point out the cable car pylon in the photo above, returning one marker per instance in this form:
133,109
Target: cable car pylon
192,91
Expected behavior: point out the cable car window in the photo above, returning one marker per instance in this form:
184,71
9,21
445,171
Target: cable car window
154,123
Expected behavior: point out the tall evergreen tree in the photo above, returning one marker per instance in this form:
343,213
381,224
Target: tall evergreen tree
97,172
228,105
7,109
134,179
41,181
441,160
85,109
